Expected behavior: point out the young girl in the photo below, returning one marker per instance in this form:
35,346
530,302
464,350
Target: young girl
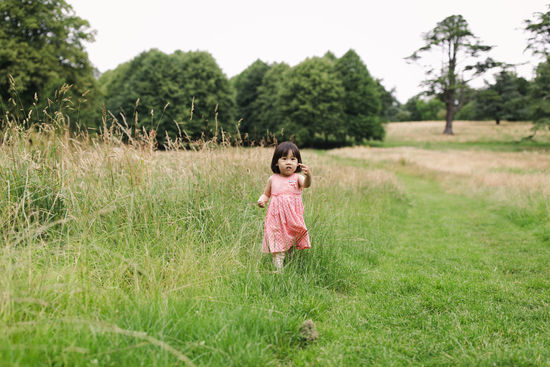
284,223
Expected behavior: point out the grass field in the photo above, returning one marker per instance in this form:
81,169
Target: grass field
479,135
424,252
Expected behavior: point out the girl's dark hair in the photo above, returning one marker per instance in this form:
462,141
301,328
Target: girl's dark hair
282,150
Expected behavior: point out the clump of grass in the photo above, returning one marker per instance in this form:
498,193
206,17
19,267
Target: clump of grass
308,332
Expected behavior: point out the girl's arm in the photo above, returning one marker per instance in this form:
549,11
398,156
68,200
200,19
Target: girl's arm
264,198
305,182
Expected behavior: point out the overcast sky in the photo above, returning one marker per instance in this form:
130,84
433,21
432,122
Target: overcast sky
237,32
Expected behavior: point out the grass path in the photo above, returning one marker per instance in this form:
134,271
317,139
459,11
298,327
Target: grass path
457,280
461,283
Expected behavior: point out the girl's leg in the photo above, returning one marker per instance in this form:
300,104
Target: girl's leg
278,259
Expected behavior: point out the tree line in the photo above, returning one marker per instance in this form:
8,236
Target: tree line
508,97
321,102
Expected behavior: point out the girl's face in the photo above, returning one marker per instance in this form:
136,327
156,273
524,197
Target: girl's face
287,164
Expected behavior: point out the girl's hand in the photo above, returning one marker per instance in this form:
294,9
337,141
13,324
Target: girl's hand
262,201
305,169
307,173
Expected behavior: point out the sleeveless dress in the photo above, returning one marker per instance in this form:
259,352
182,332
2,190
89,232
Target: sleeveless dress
284,223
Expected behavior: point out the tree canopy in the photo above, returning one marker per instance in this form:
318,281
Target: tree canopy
420,108
540,96
362,104
246,86
41,48
539,44
183,92
539,41
268,105
321,102
390,106
505,99
311,103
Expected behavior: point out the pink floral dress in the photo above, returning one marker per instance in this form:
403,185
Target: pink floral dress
284,223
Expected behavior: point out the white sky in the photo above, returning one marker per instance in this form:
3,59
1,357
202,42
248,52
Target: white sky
237,32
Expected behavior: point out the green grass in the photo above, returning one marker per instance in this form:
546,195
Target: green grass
141,260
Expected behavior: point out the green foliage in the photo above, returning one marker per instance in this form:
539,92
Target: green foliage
489,104
246,85
540,96
403,114
467,112
267,104
362,104
506,99
361,96
41,47
539,42
202,80
321,102
390,106
460,49
183,92
311,104
329,55
421,109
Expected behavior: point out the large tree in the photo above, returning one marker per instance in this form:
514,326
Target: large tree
268,105
539,44
41,48
246,86
206,86
461,63
183,91
362,105
540,97
311,104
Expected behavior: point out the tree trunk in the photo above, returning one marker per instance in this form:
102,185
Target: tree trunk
498,121
449,121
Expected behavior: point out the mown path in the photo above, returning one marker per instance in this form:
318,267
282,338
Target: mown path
445,229
456,279
465,281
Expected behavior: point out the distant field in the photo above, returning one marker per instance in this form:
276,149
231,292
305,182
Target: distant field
518,171
483,134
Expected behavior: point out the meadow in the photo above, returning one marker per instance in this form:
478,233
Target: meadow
426,250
